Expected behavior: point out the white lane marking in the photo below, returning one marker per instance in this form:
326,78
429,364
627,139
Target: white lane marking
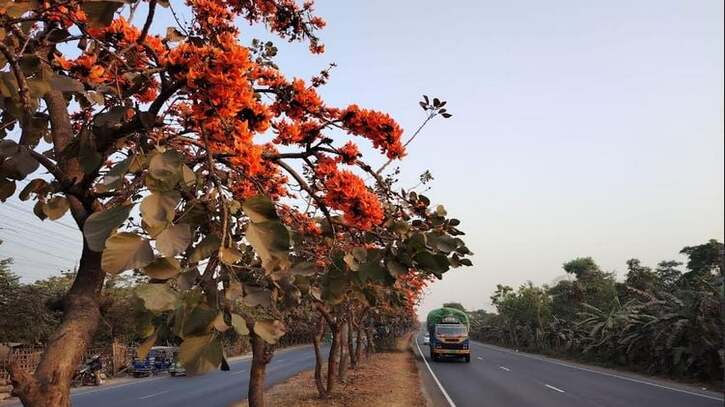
440,386
479,358
692,393
504,368
554,388
237,373
153,395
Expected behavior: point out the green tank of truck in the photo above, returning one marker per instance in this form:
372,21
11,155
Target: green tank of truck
448,332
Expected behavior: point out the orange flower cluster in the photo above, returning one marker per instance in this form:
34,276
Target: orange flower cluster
349,153
346,192
377,127
65,14
297,101
296,132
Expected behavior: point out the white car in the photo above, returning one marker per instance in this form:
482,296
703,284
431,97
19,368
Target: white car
426,339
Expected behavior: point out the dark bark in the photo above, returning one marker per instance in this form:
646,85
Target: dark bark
261,356
332,359
351,345
316,340
50,384
358,344
344,354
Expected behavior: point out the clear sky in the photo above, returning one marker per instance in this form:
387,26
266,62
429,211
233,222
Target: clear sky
580,128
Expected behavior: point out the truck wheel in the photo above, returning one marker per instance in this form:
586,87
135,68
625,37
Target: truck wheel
468,358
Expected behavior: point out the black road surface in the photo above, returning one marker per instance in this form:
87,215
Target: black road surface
215,389
501,377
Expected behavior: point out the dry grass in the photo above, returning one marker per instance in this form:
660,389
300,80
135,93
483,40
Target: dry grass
383,380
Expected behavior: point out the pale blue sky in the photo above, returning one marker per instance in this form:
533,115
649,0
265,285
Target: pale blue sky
580,128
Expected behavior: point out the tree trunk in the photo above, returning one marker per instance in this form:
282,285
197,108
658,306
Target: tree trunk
316,340
351,345
50,384
261,356
332,359
371,342
344,354
359,344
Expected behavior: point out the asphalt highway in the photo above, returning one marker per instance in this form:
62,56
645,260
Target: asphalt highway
215,389
501,377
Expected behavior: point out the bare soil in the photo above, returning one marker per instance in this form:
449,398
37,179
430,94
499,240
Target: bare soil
382,380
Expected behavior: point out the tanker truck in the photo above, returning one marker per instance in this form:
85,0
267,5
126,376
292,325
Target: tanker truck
448,330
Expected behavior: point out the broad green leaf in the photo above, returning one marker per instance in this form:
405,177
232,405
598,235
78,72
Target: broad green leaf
35,186
158,209
271,242
219,323
239,324
269,330
7,189
125,251
56,207
436,264
304,268
163,268
101,224
100,13
254,296
205,248
197,320
88,155
200,354
157,297
174,240
229,255
233,291
65,84
188,177
19,165
166,168
396,269
259,209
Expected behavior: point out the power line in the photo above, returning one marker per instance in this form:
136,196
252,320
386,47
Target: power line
41,251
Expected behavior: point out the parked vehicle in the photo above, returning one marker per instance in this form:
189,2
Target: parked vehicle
89,374
448,330
158,360
426,339
176,368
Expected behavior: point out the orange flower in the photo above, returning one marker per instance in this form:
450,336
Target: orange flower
377,127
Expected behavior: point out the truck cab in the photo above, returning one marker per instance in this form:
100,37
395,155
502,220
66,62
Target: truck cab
449,339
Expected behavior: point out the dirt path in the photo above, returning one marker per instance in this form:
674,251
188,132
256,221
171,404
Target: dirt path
383,380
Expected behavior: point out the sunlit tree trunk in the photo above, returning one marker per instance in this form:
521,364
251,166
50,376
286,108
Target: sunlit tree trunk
261,356
344,354
317,340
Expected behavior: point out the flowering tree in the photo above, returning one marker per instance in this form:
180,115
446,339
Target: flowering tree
153,145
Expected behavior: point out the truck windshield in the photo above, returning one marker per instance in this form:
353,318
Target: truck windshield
457,330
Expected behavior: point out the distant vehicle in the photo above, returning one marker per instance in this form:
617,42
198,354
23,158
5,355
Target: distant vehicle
176,368
426,339
448,330
158,360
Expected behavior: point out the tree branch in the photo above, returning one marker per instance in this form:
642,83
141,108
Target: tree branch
309,190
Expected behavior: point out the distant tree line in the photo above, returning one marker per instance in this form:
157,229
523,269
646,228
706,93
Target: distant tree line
664,320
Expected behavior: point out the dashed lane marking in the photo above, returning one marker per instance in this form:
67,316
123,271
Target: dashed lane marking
554,388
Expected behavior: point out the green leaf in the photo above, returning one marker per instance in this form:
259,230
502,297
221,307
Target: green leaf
205,248
125,251
157,297
166,169
7,189
56,207
396,269
229,255
219,323
174,240
271,242
20,164
200,354
197,320
35,186
269,330
259,209
38,210
436,264
163,268
239,324
100,13
254,296
158,210
100,225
